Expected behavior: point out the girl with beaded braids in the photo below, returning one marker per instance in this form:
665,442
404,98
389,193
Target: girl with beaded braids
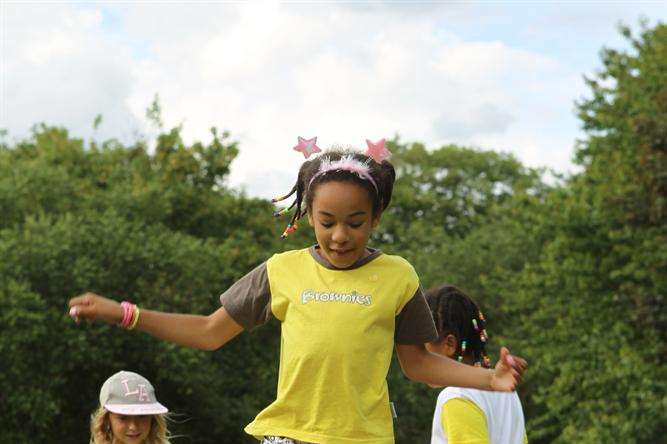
467,415
342,305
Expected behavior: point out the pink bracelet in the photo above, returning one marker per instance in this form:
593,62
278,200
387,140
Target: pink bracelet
128,314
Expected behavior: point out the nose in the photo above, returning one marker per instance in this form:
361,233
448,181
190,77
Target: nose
132,424
339,234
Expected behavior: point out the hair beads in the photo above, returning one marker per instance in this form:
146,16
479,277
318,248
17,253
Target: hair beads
463,350
289,230
281,212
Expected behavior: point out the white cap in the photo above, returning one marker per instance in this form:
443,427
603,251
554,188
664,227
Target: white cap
128,393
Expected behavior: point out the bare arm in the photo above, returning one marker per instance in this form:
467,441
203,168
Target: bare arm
203,332
420,365
196,331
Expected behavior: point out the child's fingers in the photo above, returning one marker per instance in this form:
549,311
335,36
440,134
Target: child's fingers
509,385
74,314
506,358
82,311
85,306
83,299
95,307
75,303
521,364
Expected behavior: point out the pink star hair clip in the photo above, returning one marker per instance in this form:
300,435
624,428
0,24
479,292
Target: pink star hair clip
307,146
377,151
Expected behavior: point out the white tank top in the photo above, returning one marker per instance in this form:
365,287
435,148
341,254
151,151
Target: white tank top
503,412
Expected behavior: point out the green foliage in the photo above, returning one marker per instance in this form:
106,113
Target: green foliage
24,339
450,188
592,311
97,122
463,216
160,229
154,113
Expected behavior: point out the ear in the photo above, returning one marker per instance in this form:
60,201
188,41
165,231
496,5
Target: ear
445,347
450,344
310,219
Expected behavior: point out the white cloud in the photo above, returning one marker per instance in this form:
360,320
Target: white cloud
270,72
59,68
477,121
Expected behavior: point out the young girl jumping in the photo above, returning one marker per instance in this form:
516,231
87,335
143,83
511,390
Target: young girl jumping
342,307
128,413
467,415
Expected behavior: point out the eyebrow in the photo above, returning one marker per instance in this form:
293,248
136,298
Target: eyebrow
357,213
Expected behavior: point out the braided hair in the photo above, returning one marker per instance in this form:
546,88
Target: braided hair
383,175
457,314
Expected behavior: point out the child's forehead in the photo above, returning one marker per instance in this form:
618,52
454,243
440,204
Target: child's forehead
337,196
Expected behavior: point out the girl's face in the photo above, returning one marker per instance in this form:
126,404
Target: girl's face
130,429
342,216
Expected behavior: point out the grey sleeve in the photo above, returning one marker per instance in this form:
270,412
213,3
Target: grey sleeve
414,324
248,301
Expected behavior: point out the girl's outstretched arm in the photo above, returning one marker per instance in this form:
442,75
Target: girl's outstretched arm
421,365
196,331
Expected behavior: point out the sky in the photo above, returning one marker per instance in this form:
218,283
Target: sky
485,74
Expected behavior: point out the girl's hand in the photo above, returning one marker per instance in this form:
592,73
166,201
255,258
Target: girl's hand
508,371
95,307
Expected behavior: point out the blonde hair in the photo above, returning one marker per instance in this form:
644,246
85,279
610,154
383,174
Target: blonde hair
100,428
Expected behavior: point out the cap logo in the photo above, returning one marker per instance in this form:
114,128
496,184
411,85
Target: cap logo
141,390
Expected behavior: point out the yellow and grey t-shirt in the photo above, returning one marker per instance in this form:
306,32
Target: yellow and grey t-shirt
338,333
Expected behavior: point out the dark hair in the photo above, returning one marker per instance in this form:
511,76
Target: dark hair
457,314
383,175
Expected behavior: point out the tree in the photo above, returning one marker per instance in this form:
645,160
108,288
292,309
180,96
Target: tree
593,307
161,229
